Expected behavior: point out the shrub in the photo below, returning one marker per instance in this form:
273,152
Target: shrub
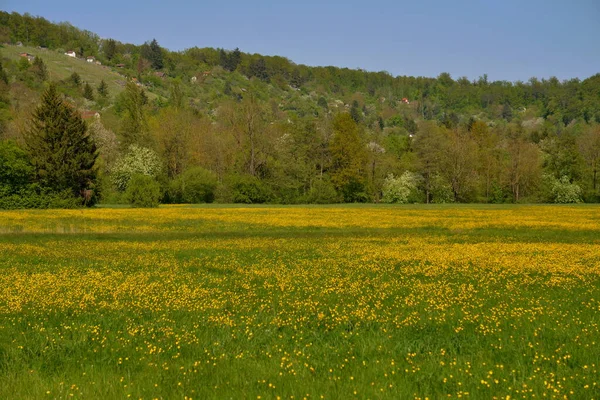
33,196
563,191
323,192
196,185
403,189
248,189
441,191
143,191
354,191
138,160
16,170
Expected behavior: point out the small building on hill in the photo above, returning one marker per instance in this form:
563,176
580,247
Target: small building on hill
30,57
71,53
88,114
90,59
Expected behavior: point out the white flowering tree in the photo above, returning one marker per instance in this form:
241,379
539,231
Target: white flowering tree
400,189
137,161
563,191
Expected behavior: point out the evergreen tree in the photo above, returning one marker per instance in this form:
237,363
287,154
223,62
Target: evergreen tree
156,57
88,92
235,58
355,112
223,59
258,69
110,48
102,89
3,76
322,102
39,68
62,152
75,79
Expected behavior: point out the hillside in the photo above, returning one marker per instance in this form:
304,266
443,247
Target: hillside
264,129
60,67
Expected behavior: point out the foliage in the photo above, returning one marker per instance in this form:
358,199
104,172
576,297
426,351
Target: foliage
16,170
143,191
40,69
348,152
88,92
322,191
196,185
402,189
75,79
134,127
153,53
564,191
137,161
441,190
34,196
471,141
102,89
246,189
61,150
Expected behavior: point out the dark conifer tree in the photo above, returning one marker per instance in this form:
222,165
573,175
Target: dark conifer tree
75,79
62,152
258,68
110,48
88,92
235,58
102,89
39,69
223,59
156,57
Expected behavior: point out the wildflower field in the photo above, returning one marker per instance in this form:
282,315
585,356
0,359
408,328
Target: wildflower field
339,302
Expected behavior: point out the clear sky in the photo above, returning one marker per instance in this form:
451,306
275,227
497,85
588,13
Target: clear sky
507,39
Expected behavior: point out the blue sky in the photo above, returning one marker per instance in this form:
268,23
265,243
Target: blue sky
507,39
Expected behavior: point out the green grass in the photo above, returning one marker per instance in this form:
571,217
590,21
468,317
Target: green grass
301,302
61,67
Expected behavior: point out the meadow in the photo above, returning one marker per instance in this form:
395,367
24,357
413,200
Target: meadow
331,302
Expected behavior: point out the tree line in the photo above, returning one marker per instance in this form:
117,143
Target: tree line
257,129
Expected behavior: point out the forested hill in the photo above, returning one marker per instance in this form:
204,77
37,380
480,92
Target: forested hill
253,128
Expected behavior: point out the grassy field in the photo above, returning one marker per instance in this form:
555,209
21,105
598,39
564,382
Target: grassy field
337,302
60,67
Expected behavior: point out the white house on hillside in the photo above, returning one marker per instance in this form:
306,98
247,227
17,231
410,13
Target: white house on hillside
71,53
91,59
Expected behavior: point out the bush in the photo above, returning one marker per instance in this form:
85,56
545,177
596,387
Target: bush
196,185
323,192
246,189
138,160
17,190
354,191
16,170
33,196
563,191
143,191
441,191
403,189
